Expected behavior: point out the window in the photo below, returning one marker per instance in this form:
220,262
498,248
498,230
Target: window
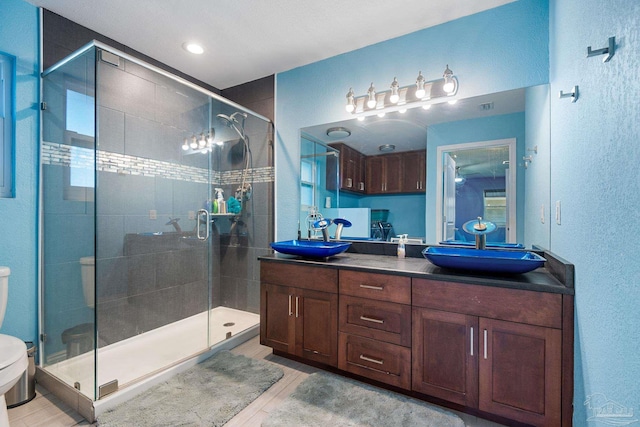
79,135
307,186
495,207
6,125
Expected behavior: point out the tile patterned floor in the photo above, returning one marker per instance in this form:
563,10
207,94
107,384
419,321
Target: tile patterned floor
48,411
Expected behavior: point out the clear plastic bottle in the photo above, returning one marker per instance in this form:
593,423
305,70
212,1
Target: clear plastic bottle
401,245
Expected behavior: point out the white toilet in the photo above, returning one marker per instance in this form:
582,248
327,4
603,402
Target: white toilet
13,352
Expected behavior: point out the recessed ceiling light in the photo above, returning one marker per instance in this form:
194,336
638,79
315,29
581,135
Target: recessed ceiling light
194,48
338,132
385,148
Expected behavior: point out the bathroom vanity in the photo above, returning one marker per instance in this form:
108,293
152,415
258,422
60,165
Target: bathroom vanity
500,347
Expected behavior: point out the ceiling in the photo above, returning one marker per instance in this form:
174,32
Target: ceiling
247,39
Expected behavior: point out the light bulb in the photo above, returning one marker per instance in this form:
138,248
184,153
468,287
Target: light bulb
185,144
402,111
351,105
202,142
361,118
194,143
381,115
449,84
426,106
371,103
395,97
420,92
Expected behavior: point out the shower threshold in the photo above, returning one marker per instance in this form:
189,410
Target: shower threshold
144,360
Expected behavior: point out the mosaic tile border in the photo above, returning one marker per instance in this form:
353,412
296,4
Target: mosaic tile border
80,157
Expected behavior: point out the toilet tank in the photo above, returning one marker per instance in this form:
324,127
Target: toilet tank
4,291
88,272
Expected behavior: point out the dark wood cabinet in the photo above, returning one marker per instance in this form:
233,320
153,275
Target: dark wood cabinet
445,355
501,367
351,167
414,171
384,174
520,372
495,350
300,320
375,326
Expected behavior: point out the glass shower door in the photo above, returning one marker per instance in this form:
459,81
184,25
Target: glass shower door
153,234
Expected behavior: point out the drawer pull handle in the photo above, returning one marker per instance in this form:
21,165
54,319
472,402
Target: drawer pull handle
371,319
297,309
369,359
375,288
471,334
290,312
485,343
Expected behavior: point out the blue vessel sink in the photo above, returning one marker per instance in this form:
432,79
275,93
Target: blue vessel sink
485,260
310,248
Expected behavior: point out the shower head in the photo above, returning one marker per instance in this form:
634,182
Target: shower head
229,120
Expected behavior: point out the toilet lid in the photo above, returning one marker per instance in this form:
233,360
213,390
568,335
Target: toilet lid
11,350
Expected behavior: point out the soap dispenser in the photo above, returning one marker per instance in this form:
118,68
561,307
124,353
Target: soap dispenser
401,245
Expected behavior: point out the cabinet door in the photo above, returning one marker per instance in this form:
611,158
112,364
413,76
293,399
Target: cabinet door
360,172
316,315
393,173
348,168
375,175
445,356
520,372
276,308
414,171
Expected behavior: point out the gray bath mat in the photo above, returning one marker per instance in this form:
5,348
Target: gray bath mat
209,394
329,400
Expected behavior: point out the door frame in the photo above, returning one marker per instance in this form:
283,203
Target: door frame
510,181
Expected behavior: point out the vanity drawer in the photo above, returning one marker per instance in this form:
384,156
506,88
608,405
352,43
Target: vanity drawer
305,277
384,362
384,321
515,305
384,287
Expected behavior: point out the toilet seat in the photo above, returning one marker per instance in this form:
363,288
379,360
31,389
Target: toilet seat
11,350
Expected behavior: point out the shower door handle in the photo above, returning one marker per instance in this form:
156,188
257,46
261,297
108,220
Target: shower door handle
202,212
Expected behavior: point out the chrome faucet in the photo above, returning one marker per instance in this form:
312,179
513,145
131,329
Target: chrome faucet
323,224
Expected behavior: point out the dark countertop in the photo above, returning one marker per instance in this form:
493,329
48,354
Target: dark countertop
544,279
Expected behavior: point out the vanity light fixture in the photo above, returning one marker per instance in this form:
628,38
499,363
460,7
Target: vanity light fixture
422,93
193,47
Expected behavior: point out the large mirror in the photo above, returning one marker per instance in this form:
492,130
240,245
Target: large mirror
484,156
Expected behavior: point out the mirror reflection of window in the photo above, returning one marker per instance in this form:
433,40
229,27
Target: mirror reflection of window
307,183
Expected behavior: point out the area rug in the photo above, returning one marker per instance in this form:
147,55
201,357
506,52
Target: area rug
329,400
209,394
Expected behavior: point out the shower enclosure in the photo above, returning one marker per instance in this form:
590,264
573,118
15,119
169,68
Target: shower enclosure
142,268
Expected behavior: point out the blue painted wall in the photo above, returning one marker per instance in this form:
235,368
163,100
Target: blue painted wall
18,223
595,153
478,48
